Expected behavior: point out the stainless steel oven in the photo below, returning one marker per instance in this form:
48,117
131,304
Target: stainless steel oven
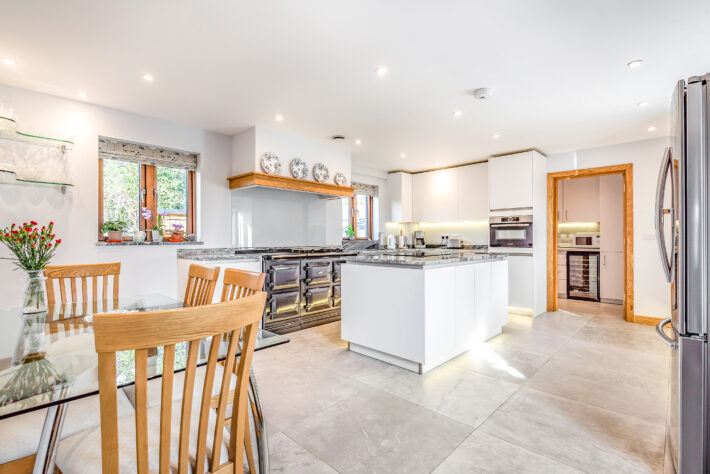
511,231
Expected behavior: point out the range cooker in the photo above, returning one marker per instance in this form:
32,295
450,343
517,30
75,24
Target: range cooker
303,288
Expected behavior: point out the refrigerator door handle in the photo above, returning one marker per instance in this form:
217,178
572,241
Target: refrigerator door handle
673,343
667,261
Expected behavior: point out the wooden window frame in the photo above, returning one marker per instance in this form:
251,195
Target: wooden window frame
353,218
148,182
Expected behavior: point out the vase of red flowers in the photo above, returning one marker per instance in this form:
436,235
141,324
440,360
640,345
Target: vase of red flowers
33,248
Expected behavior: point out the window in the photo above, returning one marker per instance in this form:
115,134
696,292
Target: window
357,212
134,176
127,187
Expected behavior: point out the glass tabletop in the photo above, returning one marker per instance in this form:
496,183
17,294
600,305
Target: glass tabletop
49,358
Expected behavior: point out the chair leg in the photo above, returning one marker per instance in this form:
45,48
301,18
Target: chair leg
247,446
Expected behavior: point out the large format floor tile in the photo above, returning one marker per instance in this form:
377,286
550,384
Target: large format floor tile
501,361
482,453
378,432
289,458
588,438
465,396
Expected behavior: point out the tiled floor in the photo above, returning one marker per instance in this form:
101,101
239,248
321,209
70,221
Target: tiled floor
576,390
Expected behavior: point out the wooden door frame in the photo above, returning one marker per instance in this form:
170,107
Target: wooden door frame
626,171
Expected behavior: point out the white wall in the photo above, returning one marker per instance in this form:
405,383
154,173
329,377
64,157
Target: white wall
270,217
651,292
249,145
143,269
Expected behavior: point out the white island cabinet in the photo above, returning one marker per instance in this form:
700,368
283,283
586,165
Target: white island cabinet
418,313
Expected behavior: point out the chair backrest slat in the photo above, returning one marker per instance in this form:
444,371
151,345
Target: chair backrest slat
62,273
186,411
240,405
205,405
201,282
166,407
229,364
141,400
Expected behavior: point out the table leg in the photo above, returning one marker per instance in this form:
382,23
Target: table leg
262,442
51,432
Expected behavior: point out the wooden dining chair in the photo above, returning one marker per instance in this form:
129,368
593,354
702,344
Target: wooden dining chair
240,284
194,438
65,311
201,283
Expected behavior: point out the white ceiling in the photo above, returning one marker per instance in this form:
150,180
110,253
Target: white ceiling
558,68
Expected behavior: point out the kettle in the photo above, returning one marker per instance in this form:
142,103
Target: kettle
391,242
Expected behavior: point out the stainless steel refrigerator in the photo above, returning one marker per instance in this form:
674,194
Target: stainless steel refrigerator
683,232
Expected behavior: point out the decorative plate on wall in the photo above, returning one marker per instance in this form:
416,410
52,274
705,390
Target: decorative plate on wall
320,172
299,168
340,179
270,163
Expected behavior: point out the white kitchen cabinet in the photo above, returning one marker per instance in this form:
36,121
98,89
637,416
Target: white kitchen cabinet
510,182
611,213
581,200
520,284
435,196
399,197
472,182
499,291
611,276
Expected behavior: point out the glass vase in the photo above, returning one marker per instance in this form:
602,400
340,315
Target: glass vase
35,300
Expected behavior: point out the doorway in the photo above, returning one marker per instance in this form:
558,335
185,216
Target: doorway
553,180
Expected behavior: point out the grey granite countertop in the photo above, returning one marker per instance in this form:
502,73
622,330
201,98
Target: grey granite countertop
426,259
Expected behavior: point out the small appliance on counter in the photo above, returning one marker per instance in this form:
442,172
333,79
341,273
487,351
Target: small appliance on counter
586,240
419,239
453,243
444,240
391,242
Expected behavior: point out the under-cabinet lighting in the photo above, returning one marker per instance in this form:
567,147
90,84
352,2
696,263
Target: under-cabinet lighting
454,223
577,224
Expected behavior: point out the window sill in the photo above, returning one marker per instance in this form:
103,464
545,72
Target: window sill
128,243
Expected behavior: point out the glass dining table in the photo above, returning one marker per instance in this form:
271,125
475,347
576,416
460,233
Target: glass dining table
48,359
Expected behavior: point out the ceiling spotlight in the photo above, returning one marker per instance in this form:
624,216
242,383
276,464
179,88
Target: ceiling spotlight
81,95
148,77
651,128
496,135
642,104
403,155
457,113
358,142
381,71
279,118
634,63
9,62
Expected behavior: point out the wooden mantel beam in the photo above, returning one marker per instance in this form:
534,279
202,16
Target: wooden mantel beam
284,182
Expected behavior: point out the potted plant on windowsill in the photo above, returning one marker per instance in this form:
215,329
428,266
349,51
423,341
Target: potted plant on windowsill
115,230
156,233
176,236
351,233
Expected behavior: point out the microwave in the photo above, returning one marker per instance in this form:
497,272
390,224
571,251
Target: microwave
585,240
511,231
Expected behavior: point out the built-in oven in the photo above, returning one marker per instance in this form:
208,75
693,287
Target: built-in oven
283,285
511,231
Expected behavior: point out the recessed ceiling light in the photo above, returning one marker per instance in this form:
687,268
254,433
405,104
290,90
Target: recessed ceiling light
403,155
643,103
358,142
279,118
9,62
651,128
457,113
148,77
496,135
634,63
381,71
81,95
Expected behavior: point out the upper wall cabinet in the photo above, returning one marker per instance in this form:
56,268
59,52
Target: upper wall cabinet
435,196
473,192
399,197
580,202
511,181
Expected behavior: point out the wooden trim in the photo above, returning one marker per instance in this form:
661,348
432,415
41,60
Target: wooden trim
101,198
149,182
191,203
651,321
370,224
283,182
626,171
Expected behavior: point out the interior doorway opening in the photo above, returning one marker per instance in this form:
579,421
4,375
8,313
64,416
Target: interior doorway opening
590,258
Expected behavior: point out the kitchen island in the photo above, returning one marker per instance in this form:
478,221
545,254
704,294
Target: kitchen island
418,311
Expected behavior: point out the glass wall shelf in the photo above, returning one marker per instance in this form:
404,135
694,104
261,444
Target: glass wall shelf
9,177
8,131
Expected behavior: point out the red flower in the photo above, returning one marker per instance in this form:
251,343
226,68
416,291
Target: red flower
49,246
59,241
7,235
51,224
28,229
44,238
33,223
24,224
33,246
43,228
53,235
14,232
